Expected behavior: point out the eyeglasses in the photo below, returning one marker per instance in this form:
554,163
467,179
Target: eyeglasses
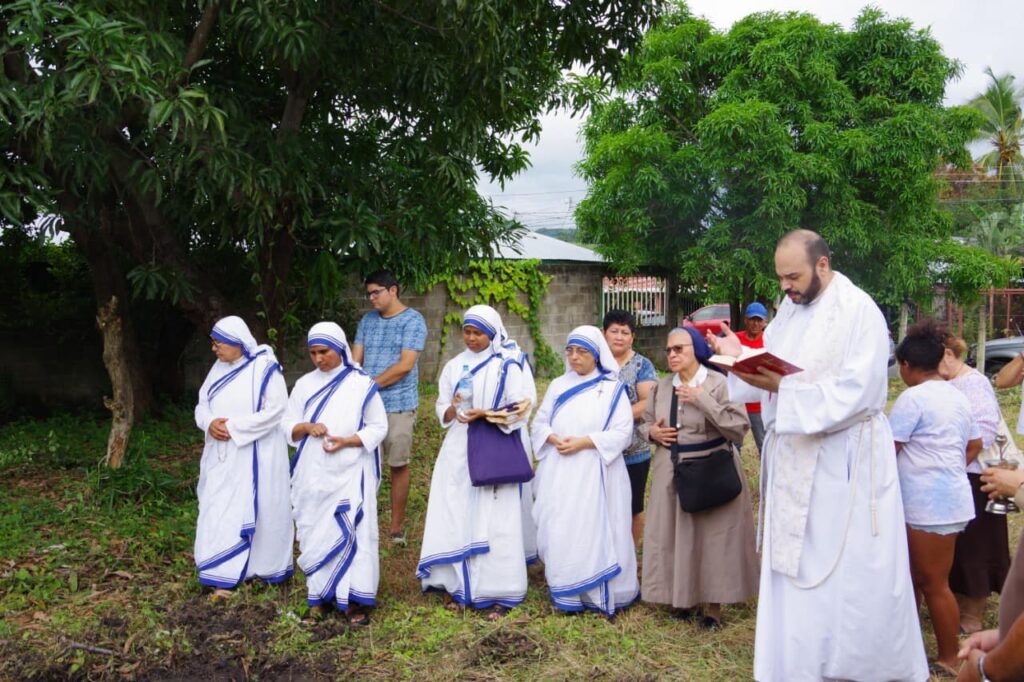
676,350
375,293
576,350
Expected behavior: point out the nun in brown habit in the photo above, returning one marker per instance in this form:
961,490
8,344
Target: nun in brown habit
695,562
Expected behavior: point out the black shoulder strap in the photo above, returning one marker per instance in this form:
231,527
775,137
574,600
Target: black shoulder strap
673,417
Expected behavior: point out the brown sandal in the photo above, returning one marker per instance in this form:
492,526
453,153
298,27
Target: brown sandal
496,613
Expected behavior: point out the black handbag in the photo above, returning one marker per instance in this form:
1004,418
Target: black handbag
707,481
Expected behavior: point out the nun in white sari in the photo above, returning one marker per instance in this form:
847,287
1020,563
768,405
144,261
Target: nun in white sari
336,419
244,528
473,540
582,506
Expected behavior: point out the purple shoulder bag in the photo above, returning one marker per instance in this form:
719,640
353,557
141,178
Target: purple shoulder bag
496,457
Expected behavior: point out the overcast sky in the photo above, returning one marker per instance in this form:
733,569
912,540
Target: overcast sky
979,33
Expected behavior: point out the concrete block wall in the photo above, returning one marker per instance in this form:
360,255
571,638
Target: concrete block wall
573,298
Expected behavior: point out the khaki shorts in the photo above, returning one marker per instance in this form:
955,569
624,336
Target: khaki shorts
397,445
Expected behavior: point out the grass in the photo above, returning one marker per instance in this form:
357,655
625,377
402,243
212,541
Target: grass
97,582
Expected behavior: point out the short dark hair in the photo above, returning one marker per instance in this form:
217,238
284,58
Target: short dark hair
816,248
619,316
924,345
382,278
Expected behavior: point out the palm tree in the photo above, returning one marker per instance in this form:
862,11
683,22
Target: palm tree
1003,127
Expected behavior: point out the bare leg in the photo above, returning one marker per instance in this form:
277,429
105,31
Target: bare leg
399,496
972,612
638,529
931,557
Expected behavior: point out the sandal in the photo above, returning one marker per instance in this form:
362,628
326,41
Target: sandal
220,594
315,615
496,613
942,671
710,624
685,615
358,619
450,604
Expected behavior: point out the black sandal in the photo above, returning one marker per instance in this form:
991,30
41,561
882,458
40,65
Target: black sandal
710,624
358,619
685,615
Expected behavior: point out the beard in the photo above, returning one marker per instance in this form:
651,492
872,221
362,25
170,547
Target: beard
813,289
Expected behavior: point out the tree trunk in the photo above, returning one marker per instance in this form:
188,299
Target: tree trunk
109,282
982,320
736,315
904,321
122,404
276,262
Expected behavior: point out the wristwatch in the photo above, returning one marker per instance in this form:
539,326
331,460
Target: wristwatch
981,669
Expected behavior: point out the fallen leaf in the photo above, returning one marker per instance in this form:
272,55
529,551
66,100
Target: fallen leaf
128,643
39,615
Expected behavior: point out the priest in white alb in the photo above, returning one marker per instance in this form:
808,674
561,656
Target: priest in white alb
836,600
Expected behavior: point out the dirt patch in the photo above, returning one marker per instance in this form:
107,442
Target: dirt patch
20,660
205,622
505,645
224,641
330,627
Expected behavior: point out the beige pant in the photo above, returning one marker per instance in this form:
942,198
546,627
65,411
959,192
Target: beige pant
397,445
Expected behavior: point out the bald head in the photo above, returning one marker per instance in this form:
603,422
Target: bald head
813,244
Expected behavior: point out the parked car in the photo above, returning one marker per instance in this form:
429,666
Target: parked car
709,318
998,352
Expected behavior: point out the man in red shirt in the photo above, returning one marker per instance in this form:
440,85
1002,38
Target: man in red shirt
752,336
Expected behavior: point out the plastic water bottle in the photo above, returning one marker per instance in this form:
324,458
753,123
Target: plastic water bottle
465,392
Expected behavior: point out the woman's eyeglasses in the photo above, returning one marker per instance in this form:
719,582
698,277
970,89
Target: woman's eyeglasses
676,350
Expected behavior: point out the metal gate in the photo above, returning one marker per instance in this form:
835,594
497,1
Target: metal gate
644,296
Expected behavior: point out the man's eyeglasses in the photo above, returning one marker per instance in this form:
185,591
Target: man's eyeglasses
674,350
375,293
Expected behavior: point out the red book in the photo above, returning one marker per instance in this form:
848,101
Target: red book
751,359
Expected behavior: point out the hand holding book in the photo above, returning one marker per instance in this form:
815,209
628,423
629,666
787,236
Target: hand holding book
755,366
751,360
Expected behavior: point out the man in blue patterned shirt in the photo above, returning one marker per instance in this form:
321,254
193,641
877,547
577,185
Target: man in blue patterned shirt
388,344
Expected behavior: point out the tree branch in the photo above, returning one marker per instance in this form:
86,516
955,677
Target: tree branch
392,10
201,38
148,233
16,64
301,87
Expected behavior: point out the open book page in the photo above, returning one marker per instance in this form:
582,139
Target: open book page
751,359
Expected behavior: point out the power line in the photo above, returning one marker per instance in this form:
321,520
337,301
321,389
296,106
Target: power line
536,194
